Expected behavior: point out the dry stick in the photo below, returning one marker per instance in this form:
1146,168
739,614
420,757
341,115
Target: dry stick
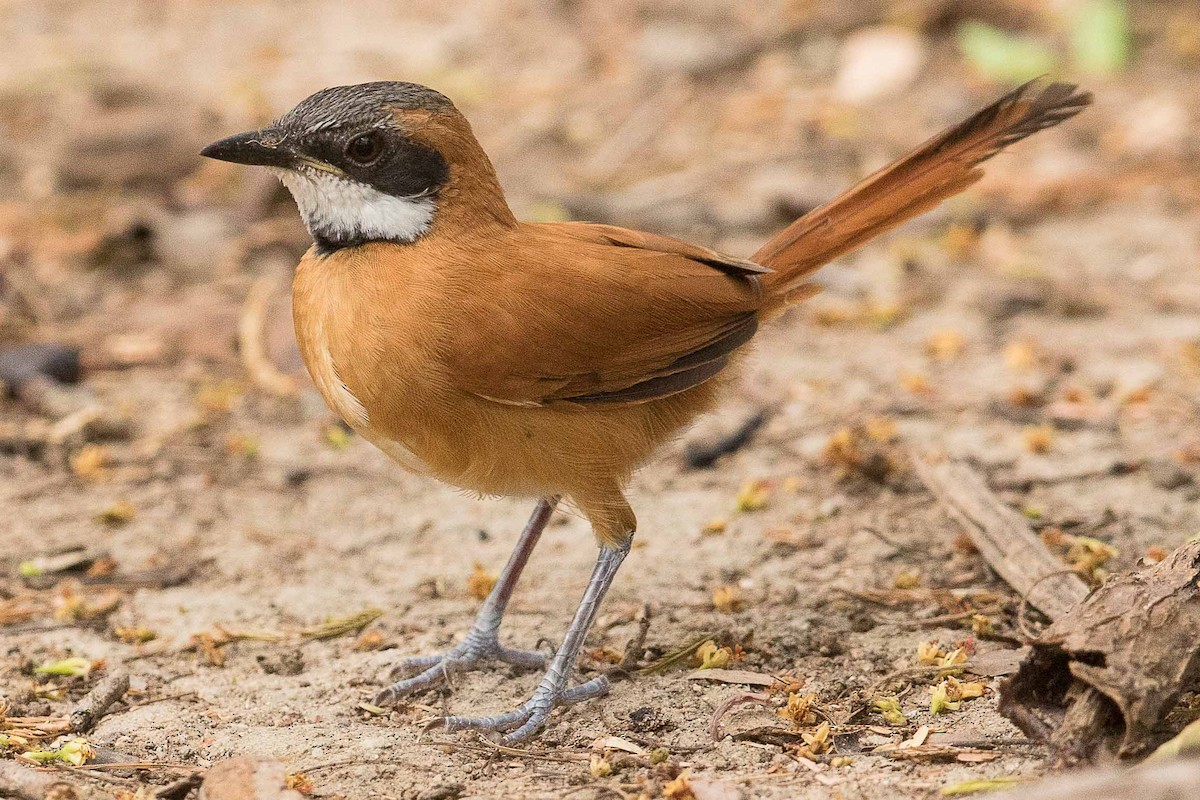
98,701
715,731
635,648
1003,538
252,343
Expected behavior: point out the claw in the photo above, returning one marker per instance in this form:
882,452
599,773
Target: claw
433,670
411,666
528,718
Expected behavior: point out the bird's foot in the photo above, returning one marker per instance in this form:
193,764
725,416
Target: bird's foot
528,718
480,646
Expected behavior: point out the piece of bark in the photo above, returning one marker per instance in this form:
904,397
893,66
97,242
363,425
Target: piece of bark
1102,678
96,703
743,676
1003,538
1170,781
247,779
23,783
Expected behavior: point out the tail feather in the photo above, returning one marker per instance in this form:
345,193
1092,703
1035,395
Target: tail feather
942,167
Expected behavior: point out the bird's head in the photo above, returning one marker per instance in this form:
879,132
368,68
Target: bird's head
373,162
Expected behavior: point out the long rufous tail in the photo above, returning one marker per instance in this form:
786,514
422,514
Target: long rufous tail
942,167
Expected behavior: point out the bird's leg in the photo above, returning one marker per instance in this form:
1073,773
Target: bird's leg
482,642
528,719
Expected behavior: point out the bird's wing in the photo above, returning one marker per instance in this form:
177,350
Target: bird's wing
582,313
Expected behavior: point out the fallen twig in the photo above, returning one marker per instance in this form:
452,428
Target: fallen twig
340,626
715,731
675,657
488,747
97,702
177,790
1003,538
252,343
703,454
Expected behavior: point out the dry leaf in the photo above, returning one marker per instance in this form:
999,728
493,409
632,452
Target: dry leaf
753,496
739,676
480,582
1038,438
727,599
617,743
679,789
945,345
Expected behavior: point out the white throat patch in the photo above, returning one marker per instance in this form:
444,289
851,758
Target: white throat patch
339,209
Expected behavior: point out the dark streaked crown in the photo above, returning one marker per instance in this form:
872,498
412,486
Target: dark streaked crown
360,105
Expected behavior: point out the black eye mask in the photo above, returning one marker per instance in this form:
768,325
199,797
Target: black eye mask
404,168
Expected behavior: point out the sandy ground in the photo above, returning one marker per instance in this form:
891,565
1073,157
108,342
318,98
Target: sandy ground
1061,294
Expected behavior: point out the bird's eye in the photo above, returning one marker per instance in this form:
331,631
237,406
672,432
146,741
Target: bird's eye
365,149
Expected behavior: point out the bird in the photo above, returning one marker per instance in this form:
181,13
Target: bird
544,360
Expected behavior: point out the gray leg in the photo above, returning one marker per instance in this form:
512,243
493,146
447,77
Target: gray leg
528,719
482,642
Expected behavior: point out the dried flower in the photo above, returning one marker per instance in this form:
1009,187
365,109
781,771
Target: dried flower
480,582
888,707
710,656
599,766
799,709
753,496
727,599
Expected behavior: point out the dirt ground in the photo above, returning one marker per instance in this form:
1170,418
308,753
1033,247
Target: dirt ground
1045,327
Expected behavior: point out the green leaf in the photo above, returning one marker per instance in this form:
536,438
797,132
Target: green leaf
1001,56
67,667
976,786
1101,41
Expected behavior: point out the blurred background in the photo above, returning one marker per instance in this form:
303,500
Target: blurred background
1045,325
715,121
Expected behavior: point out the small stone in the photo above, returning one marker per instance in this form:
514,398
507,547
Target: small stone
877,62
1155,125
673,46
649,720
288,663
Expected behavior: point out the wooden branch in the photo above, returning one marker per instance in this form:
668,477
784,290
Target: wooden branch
98,701
1169,781
252,340
1003,538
